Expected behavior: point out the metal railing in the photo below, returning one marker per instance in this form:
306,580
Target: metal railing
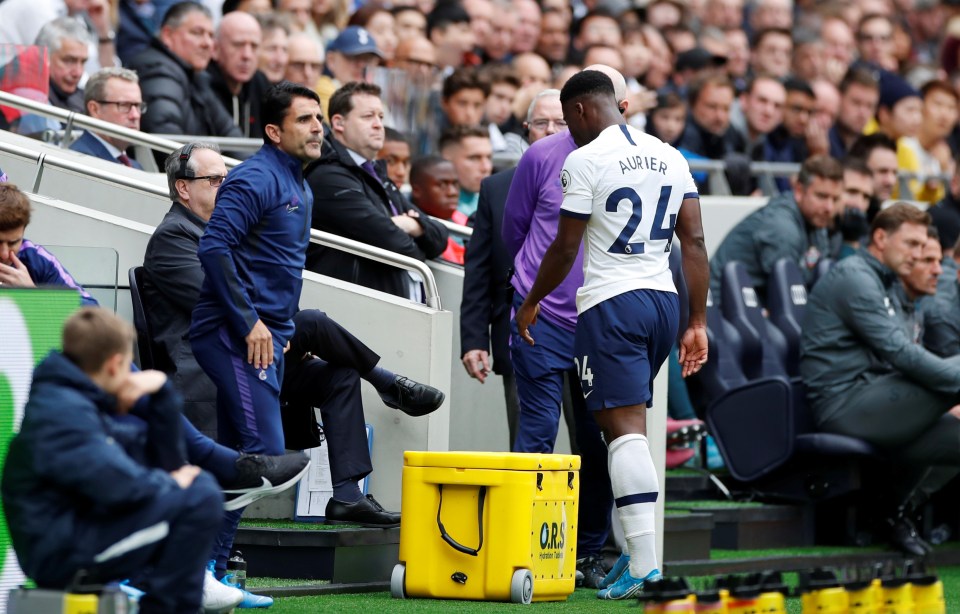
72,120
226,143
461,231
96,173
766,172
431,292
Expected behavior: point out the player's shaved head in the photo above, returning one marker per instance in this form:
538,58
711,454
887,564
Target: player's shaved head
587,83
619,83
589,105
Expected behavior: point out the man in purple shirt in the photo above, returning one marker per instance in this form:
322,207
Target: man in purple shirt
529,226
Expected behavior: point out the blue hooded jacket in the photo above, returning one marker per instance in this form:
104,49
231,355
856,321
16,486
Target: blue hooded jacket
254,248
72,460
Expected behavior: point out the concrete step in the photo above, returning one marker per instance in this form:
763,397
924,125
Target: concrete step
342,556
754,526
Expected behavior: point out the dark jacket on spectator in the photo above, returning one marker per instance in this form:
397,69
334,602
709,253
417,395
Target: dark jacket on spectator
703,142
485,308
179,99
838,149
244,108
70,102
946,217
171,286
72,460
352,203
779,146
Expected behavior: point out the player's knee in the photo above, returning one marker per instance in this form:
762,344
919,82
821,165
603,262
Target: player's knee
204,501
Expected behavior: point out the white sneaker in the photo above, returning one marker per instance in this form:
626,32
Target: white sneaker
218,597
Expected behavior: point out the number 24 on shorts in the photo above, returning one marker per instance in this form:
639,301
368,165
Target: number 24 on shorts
586,374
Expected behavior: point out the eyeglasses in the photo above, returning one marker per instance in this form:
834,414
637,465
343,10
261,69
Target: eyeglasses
215,180
124,107
314,66
541,124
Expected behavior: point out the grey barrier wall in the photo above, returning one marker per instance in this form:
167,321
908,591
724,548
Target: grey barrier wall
413,339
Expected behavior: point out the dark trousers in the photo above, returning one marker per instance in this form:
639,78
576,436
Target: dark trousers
904,419
169,535
540,371
512,403
248,403
335,390
248,410
325,338
248,399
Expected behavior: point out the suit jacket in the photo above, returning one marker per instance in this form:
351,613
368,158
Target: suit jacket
90,145
351,203
485,308
171,286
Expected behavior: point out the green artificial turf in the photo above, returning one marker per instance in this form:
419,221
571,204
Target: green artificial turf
262,582
720,555
293,524
713,504
582,600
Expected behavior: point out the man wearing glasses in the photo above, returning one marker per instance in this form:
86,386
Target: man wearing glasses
544,117
112,95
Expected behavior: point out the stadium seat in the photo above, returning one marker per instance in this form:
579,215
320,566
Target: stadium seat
823,267
722,372
786,302
753,428
762,425
764,347
147,349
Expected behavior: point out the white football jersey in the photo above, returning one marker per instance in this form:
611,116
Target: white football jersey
629,186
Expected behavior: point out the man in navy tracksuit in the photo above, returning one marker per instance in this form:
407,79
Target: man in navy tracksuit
84,489
253,253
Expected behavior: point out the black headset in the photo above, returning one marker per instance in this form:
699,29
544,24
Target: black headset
183,172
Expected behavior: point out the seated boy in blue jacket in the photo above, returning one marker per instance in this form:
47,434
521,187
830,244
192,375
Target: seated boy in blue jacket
87,489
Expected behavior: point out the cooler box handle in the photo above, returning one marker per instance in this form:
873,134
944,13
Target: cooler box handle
446,536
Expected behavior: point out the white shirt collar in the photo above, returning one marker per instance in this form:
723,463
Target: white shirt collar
114,151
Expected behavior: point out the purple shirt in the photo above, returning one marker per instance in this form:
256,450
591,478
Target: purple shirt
530,222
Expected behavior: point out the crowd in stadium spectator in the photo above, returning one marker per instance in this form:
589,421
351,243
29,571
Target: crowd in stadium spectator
423,101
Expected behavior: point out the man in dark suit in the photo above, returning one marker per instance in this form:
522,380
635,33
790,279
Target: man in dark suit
112,95
487,294
359,201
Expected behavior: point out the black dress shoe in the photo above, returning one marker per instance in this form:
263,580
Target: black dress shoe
366,512
904,536
412,398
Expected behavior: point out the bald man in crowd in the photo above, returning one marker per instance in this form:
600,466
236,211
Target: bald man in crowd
234,77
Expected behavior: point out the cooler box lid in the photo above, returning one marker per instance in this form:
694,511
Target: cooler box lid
511,461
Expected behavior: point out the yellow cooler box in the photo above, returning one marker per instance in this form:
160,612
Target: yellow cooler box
488,526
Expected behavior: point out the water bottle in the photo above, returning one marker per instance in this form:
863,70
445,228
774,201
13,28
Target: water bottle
237,571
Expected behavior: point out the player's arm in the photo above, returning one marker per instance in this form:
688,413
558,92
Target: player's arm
696,272
554,268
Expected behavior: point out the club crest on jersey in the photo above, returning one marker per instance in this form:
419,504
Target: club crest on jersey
564,180
294,205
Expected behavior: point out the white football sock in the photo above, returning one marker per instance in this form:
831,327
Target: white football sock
635,490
